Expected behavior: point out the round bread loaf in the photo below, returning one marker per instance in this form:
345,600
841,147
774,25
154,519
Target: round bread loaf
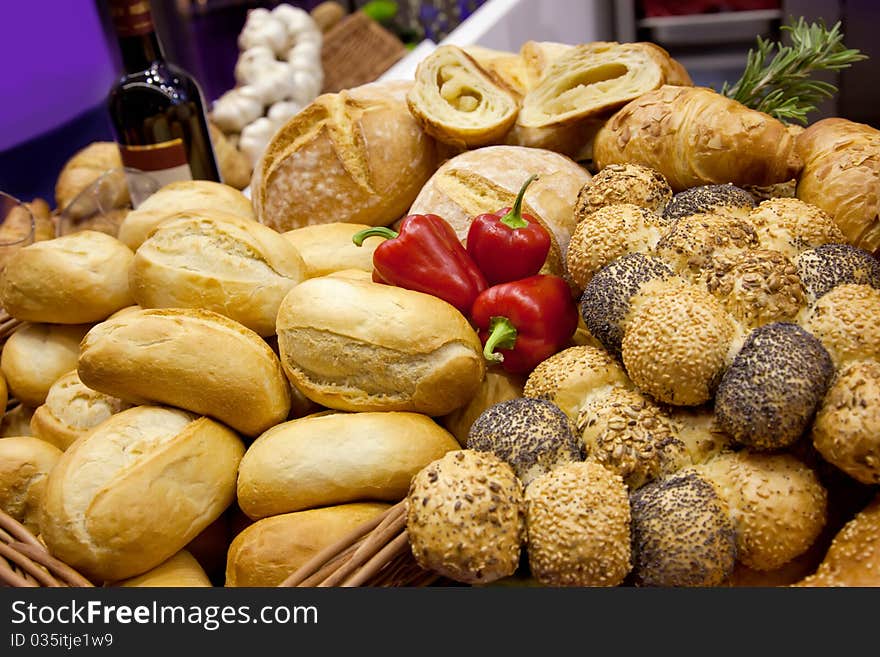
71,410
328,248
354,345
201,197
488,179
271,549
196,360
233,266
73,279
36,356
137,489
355,156
25,463
181,570
327,459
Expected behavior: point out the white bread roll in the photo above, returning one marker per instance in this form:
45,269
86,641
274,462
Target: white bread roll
17,422
25,464
497,386
271,549
180,571
354,345
37,355
71,410
197,360
137,489
201,197
233,266
327,459
356,156
488,179
327,248
77,278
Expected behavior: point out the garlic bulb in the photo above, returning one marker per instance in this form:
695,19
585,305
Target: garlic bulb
251,62
281,111
236,108
263,29
255,137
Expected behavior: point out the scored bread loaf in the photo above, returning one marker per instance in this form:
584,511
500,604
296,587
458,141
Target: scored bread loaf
193,359
460,103
356,156
25,464
137,489
695,136
233,266
333,458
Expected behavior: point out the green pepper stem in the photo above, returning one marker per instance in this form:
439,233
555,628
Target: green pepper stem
514,219
381,231
502,334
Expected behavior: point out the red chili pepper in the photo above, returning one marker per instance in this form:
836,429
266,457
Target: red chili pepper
524,322
426,256
508,245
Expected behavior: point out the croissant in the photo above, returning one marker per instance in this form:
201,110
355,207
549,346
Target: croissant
458,102
695,136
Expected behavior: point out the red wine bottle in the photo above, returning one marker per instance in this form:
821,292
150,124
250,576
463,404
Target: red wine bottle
157,109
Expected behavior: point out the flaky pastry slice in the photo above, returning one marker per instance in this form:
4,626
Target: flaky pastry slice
459,102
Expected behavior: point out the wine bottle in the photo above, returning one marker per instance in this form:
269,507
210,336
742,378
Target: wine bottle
157,109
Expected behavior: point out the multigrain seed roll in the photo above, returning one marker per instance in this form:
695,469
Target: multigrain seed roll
826,266
605,301
845,320
676,343
466,517
628,434
846,430
532,435
789,225
607,234
623,183
578,525
777,503
768,395
727,200
682,533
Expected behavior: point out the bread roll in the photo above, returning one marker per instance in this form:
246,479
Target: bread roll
328,459
537,57
180,571
508,66
356,156
235,167
460,103
197,360
695,136
37,355
355,345
233,266
327,248
137,489
73,279
488,179
202,197
17,422
85,167
71,410
842,176
25,463
271,549
498,386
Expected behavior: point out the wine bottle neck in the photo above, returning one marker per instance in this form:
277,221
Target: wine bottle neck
139,52
138,42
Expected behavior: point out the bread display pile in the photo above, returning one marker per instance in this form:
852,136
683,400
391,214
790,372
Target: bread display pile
222,387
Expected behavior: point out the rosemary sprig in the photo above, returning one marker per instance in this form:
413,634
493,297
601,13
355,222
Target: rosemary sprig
777,78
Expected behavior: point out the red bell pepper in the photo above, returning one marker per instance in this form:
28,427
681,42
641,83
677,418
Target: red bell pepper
524,322
426,256
508,245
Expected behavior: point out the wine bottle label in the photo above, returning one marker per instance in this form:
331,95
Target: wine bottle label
131,17
165,162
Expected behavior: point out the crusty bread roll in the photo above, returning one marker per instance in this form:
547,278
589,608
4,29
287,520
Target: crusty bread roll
37,355
841,175
460,103
508,66
85,167
328,248
356,156
17,422
354,345
137,489
193,359
203,197
695,136
73,279
233,266
333,458
71,410
498,386
180,571
25,464
271,549
488,179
